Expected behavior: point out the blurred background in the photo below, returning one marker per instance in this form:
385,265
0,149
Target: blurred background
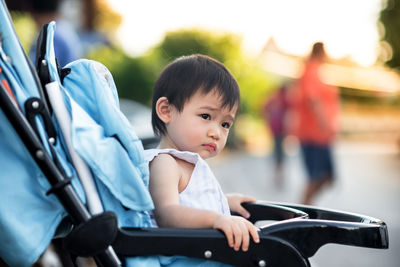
264,44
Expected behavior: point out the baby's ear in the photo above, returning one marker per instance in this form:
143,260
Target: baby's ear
163,109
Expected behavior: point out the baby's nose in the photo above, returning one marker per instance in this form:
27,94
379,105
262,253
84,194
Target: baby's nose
214,133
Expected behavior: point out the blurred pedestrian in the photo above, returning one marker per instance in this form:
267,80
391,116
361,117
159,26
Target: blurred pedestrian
67,45
275,112
316,106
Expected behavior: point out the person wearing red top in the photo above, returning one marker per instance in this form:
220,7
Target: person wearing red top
316,105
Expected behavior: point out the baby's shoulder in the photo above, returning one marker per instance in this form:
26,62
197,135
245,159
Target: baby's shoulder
165,165
168,162
164,158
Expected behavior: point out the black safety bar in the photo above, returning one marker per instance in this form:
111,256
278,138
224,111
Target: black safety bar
284,243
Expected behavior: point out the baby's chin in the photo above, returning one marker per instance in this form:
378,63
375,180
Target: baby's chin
203,153
207,154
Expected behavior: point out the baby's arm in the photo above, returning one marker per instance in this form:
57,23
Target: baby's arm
165,174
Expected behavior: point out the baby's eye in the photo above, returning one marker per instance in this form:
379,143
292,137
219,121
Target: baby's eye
226,125
206,116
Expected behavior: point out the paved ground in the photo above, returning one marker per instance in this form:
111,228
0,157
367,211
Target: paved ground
368,183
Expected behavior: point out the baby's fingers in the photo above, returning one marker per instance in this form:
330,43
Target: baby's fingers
248,199
229,235
237,233
253,232
245,237
223,223
243,212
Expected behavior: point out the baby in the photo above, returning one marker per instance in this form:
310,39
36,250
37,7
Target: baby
195,101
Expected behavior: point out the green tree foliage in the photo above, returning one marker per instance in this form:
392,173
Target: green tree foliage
390,19
221,46
133,76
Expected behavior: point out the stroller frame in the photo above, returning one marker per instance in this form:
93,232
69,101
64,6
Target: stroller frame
298,234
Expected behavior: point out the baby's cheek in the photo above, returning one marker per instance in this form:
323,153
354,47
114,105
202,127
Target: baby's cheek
221,146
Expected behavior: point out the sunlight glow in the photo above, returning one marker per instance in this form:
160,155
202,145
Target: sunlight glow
348,28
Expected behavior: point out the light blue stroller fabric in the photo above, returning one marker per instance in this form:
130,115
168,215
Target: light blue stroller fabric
28,217
101,134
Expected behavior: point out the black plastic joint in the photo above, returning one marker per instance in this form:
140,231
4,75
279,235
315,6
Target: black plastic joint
92,237
58,186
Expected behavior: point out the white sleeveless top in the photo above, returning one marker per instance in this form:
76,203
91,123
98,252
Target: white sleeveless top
203,190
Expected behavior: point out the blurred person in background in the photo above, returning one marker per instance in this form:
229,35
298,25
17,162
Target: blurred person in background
275,113
316,107
67,45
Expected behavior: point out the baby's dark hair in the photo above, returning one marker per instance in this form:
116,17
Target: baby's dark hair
184,76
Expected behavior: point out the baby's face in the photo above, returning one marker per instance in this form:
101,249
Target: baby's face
202,126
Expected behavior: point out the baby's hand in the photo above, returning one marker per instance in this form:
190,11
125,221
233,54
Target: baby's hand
237,231
235,201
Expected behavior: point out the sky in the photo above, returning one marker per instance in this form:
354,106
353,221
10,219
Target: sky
347,27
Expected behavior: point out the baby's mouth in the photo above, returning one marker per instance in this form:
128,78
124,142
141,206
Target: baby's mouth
211,146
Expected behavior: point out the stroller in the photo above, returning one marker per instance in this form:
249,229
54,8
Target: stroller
72,169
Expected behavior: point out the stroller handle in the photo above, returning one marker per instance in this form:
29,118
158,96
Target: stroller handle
327,214
309,235
269,211
329,226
